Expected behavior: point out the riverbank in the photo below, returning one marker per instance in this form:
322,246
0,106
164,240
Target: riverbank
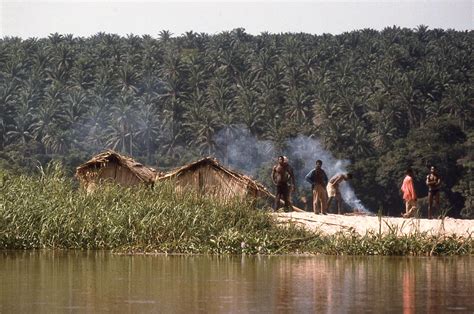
48,212
362,224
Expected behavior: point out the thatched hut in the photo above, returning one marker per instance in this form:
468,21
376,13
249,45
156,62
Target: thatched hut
113,167
207,176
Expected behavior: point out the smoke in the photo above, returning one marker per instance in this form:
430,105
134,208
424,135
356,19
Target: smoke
240,150
307,150
348,195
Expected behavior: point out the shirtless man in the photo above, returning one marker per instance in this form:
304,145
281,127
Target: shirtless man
433,181
282,174
333,189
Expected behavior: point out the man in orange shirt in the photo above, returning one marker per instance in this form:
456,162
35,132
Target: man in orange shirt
409,194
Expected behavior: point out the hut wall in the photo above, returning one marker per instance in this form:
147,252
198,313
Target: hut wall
210,181
114,172
125,177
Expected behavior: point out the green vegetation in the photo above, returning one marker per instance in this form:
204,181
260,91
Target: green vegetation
384,100
46,211
377,98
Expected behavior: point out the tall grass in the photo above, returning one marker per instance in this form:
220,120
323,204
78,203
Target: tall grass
48,211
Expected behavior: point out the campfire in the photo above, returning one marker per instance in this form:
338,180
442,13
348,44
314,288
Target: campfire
357,212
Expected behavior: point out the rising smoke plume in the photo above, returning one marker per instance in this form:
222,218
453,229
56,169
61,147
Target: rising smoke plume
240,150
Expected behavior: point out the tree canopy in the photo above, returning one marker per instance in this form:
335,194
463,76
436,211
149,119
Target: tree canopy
381,99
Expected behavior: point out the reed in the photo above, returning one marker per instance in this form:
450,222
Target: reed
48,211
394,244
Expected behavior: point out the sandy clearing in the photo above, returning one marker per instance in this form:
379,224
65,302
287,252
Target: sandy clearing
332,223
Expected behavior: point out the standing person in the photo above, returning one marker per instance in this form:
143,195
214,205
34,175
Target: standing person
333,189
282,174
409,194
318,179
433,181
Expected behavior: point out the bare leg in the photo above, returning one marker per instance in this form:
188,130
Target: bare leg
338,205
288,203
409,209
329,202
324,202
277,202
315,201
430,204
438,207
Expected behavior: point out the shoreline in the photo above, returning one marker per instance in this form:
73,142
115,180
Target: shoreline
362,224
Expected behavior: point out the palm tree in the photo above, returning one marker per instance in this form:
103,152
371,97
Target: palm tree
23,115
249,111
47,114
122,125
82,74
55,38
205,129
459,104
20,131
263,63
298,106
229,60
173,73
383,136
358,141
277,132
408,98
165,35
149,125
74,108
325,109
129,79
7,111
57,141
197,74
94,126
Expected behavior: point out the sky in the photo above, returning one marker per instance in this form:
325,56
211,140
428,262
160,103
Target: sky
36,18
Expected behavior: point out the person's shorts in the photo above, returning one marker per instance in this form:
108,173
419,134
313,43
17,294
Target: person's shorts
283,189
332,190
433,192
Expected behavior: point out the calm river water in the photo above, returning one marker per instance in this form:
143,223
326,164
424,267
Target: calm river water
78,281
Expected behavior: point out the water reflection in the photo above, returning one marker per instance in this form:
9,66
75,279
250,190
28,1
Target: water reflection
45,281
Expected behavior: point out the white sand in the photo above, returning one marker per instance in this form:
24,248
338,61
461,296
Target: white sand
331,223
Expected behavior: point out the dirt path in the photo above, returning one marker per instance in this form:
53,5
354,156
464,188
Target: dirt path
331,223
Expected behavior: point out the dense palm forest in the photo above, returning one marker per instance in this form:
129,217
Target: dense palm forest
383,100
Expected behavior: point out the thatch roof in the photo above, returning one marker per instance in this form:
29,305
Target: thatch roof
244,180
143,173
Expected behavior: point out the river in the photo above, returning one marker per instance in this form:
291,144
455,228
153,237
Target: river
98,281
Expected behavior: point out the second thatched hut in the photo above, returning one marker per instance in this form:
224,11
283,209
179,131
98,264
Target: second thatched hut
207,176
